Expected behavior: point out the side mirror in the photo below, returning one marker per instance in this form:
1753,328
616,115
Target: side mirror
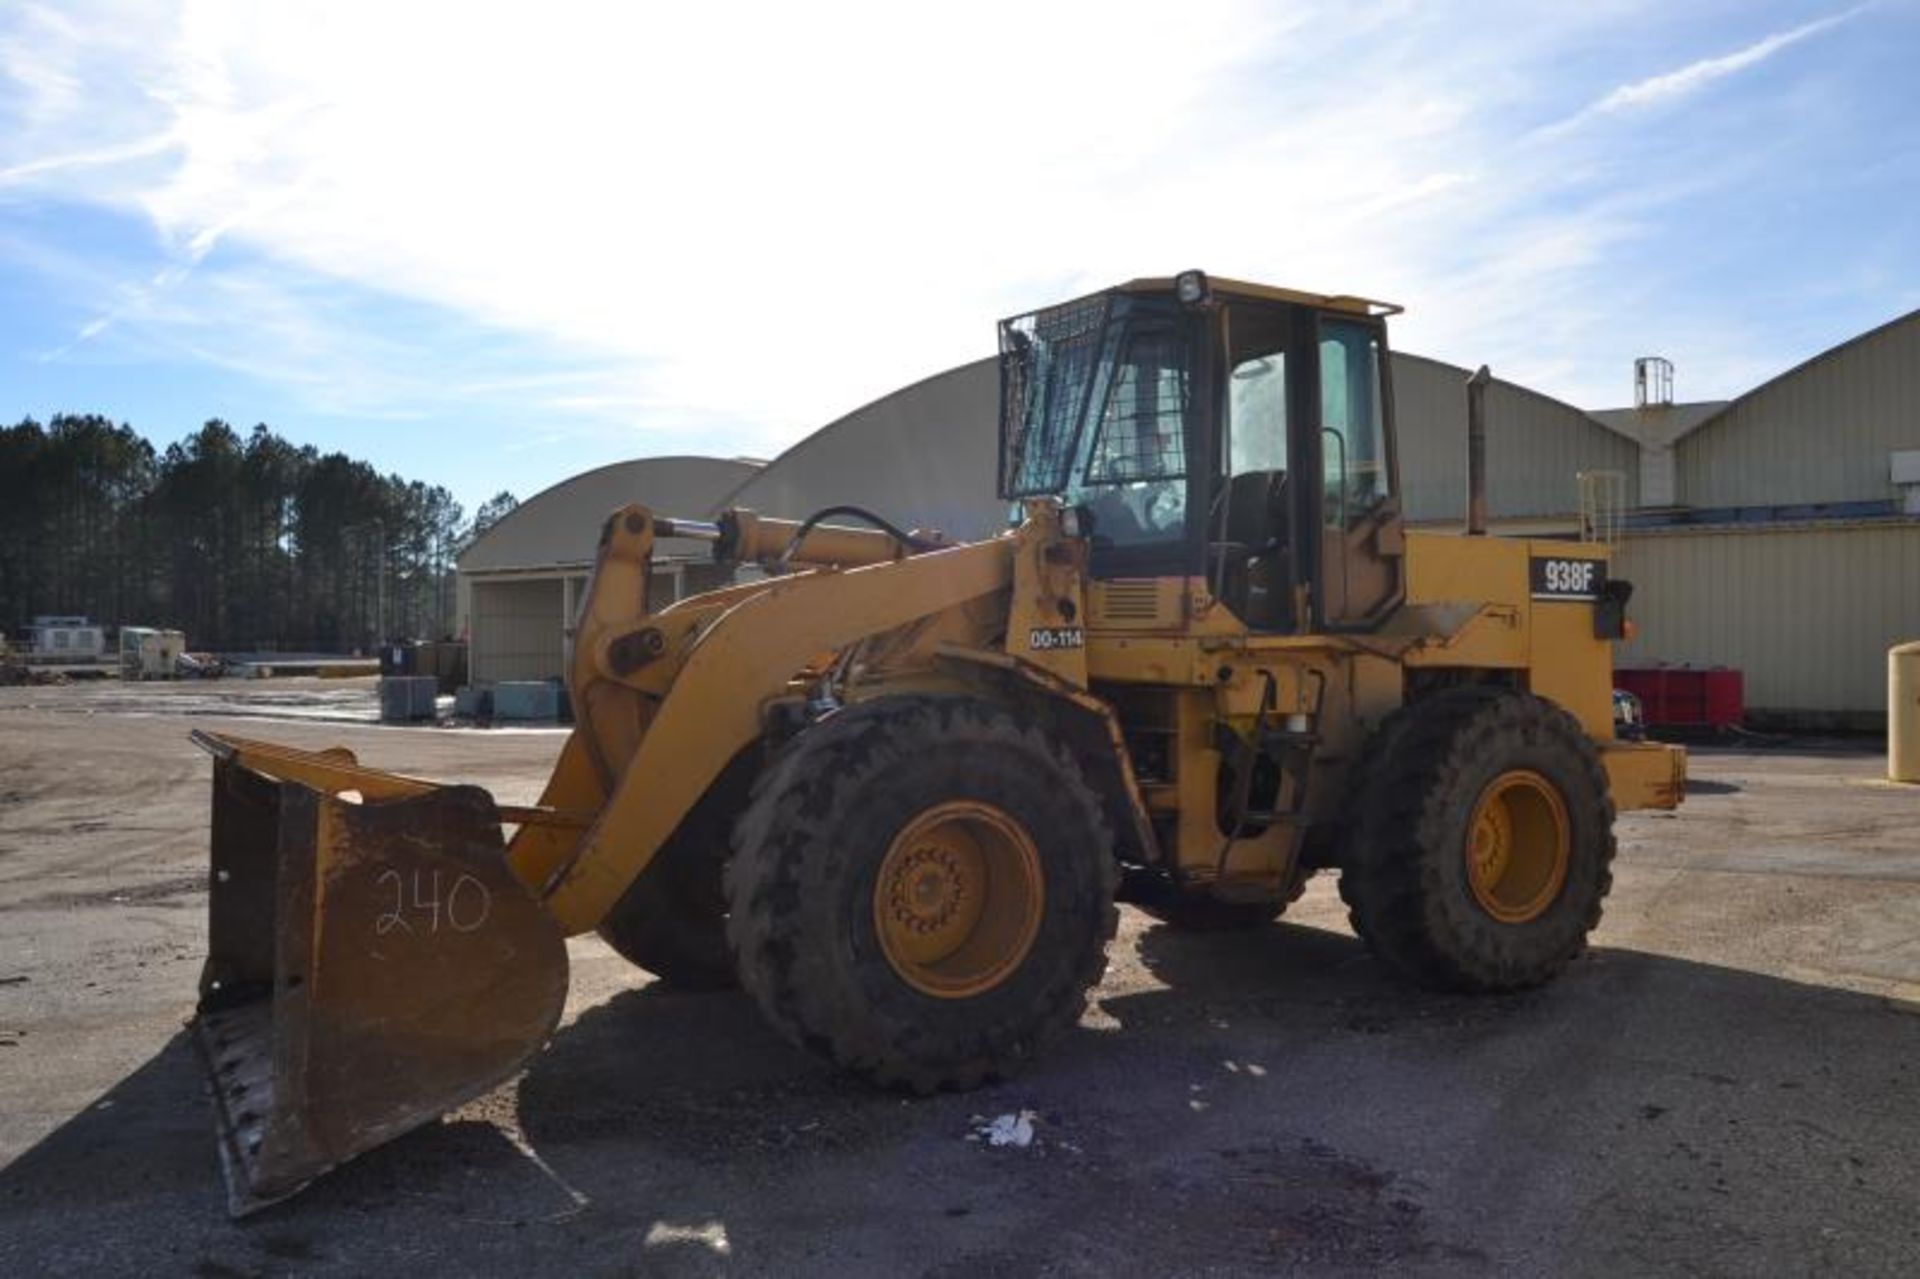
1610,610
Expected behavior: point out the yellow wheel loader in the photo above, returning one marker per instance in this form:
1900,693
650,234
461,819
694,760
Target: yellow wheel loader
894,785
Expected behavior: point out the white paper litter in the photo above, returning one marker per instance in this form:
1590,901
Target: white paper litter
1012,1129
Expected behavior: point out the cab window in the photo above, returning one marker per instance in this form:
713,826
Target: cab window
1132,478
1353,443
1257,414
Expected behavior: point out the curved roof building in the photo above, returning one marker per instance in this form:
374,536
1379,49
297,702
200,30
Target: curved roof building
1790,493
1791,549
1821,432
560,526
1537,447
924,456
520,581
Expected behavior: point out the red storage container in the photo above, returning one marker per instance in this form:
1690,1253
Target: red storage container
1686,696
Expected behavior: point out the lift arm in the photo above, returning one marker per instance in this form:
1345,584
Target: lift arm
665,702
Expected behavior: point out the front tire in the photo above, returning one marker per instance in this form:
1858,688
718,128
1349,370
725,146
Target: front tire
922,890
1483,844
672,920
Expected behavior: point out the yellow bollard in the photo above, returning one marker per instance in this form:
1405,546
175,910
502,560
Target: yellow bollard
1903,713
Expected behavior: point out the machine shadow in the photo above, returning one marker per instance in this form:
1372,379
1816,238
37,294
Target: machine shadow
149,1134
683,1072
1286,971
660,1105
1304,977
594,1138
145,1151
687,1073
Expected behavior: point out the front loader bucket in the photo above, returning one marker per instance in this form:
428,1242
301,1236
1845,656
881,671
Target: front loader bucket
370,965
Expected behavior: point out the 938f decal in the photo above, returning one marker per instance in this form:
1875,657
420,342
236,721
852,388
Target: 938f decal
1557,578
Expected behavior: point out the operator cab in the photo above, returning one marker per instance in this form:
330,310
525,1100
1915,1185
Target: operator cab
1179,418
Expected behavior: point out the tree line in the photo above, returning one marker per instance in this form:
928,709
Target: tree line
242,542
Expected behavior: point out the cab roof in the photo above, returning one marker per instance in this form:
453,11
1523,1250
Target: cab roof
1270,293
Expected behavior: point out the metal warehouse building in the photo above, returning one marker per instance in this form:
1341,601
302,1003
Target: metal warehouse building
1778,532
1788,544
924,455
1537,448
521,582
518,584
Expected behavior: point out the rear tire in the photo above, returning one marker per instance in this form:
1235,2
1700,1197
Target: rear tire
1482,844
922,891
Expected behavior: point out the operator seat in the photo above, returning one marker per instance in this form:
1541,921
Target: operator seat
1252,560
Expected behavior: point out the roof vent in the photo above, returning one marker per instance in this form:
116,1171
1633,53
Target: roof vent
1906,477
1652,382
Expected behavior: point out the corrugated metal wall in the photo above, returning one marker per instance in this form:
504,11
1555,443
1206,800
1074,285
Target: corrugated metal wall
1807,612
925,456
1536,446
520,623
518,631
561,524
1820,433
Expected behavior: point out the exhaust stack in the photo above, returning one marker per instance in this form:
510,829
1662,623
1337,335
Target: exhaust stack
1477,451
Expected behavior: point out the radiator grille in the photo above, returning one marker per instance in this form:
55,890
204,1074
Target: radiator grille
1133,601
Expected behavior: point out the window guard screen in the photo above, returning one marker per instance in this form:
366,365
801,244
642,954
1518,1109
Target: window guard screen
1048,363
1142,429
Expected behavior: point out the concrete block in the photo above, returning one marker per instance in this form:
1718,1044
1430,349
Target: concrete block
526,700
404,698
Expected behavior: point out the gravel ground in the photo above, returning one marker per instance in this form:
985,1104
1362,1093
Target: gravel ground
341,701
1728,1084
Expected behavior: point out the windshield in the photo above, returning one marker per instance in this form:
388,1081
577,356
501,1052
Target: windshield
1131,473
1094,401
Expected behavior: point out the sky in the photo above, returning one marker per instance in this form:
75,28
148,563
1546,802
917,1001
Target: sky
490,246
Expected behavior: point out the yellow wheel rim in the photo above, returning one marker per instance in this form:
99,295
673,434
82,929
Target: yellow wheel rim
957,903
1518,845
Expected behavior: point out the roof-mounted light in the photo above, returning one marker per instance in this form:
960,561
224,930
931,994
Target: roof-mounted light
1191,288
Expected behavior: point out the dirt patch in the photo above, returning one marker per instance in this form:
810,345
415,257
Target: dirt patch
180,890
1729,1083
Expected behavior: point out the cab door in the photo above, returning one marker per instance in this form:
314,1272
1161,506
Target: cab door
1360,526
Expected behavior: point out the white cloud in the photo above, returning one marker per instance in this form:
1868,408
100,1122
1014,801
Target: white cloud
738,221
1671,86
1697,75
95,158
